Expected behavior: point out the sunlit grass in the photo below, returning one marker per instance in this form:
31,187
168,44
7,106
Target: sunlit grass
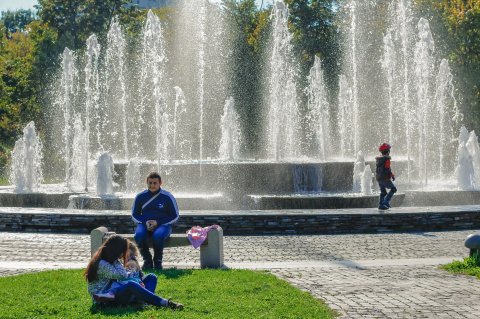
467,266
205,294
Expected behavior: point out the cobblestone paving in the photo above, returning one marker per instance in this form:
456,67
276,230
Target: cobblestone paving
389,289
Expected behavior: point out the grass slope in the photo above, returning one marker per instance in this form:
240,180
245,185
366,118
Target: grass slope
205,294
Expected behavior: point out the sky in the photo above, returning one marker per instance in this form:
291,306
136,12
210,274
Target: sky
16,4
28,4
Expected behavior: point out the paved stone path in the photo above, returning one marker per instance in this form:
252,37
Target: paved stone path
359,275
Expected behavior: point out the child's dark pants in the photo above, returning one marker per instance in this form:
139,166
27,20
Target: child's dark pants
384,196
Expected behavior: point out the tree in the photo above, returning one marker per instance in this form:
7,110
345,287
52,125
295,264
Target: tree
315,34
16,96
16,20
76,20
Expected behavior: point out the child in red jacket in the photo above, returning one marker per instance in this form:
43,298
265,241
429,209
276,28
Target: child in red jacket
385,177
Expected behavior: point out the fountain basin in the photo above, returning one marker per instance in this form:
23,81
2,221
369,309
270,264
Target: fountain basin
260,177
46,198
125,202
318,201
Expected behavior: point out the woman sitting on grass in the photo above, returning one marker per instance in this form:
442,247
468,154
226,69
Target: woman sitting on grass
105,269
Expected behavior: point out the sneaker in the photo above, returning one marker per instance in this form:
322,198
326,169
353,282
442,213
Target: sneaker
382,208
104,297
147,266
174,305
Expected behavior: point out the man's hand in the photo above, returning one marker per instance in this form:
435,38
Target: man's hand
151,225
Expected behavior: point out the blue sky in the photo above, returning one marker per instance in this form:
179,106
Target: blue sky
17,4
28,4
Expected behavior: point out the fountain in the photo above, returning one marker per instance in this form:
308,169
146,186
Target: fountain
283,115
105,172
231,135
474,152
116,90
465,171
133,179
26,171
319,111
366,184
161,102
358,172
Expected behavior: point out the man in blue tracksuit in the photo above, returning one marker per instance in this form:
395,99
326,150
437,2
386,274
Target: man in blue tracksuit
155,211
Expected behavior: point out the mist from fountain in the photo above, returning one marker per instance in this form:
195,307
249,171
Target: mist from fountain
447,116
402,16
122,91
283,114
179,109
78,160
474,151
356,111
366,182
67,100
414,108
318,112
137,112
132,176
465,170
358,169
388,65
345,117
201,72
423,74
231,135
92,90
105,172
116,90
26,170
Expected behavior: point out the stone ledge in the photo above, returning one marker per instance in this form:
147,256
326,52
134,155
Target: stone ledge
256,222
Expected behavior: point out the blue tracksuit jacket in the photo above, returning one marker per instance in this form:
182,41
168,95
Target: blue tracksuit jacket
163,208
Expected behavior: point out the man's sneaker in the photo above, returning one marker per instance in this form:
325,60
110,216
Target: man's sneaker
174,305
382,208
147,266
104,297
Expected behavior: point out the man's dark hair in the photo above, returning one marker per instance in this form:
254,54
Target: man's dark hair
154,175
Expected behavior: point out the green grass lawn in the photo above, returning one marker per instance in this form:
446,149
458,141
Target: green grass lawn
205,294
467,266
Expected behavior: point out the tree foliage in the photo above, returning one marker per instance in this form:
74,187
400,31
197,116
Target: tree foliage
315,34
248,26
18,20
76,20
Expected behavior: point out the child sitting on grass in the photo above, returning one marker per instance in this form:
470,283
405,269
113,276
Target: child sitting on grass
105,270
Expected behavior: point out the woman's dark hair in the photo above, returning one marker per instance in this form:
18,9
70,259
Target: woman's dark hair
114,248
